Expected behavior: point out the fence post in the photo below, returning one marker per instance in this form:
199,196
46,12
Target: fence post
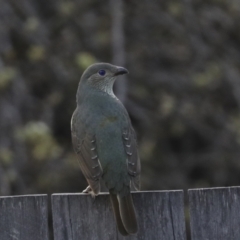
24,217
78,216
215,213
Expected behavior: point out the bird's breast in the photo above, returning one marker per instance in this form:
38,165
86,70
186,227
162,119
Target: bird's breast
106,121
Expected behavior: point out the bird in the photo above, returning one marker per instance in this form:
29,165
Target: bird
105,142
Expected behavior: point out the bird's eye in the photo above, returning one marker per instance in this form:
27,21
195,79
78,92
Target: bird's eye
101,72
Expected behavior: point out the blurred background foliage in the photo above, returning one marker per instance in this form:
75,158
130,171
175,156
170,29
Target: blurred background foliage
182,93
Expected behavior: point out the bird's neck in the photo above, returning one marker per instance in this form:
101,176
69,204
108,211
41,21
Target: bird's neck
107,88
95,90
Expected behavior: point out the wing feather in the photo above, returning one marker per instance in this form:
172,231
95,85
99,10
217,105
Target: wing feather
85,147
133,161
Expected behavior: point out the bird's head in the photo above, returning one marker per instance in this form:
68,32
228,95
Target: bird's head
102,76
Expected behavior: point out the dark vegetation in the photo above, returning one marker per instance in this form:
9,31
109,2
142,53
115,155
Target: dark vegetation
182,93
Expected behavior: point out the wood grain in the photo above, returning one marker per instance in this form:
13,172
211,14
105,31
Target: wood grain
78,216
215,213
24,217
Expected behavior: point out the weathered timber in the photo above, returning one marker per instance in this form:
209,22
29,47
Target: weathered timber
215,213
78,216
24,217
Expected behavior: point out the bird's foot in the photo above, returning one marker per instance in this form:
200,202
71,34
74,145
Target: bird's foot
89,191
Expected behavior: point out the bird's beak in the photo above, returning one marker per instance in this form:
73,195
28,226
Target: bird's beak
120,71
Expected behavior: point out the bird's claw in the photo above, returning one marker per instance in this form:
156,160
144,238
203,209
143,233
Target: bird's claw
89,190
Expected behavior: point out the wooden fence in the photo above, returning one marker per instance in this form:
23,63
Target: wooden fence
214,215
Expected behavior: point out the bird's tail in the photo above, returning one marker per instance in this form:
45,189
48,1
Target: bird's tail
124,214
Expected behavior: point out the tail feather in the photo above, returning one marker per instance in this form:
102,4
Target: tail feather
124,214
117,215
128,214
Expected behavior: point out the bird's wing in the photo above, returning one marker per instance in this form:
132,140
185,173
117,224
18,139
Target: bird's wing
133,161
85,146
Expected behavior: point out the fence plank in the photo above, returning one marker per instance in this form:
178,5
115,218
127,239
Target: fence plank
24,217
78,216
214,213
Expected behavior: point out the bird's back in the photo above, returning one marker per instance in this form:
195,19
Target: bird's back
105,118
